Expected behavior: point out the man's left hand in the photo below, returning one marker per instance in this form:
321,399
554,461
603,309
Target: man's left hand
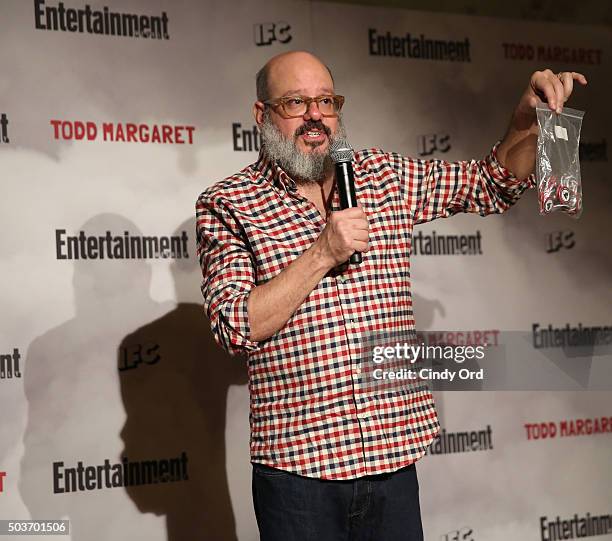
551,88
517,150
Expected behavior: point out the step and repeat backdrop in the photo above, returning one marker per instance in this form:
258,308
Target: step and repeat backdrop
119,412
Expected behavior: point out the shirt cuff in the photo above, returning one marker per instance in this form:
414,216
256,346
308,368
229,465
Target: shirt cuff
504,176
233,326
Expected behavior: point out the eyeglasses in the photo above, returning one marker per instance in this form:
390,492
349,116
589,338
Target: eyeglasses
296,106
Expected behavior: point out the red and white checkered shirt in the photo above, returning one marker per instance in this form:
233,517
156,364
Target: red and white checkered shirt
309,412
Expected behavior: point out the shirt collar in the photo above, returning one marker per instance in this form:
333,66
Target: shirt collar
274,172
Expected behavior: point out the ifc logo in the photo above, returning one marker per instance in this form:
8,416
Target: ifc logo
268,33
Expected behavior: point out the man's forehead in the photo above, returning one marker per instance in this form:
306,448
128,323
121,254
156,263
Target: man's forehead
305,91
298,73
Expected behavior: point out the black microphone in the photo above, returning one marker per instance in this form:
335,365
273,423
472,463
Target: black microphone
342,155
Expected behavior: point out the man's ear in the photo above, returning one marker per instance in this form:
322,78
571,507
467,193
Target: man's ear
258,112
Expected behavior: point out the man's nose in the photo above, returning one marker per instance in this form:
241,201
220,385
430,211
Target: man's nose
313,112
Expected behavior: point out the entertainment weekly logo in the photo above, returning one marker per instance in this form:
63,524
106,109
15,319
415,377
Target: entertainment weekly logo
438,244
126,473
121,132
462,442
245,139
552,53
580,525
570,336
418,46
120,245
9,365
565,428
4,137
104,21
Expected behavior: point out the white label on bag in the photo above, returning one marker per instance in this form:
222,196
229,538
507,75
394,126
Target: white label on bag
560,132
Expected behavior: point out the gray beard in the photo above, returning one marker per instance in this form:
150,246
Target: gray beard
301,167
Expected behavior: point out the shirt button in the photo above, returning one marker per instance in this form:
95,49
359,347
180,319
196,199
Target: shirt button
342,278
357,370
362,415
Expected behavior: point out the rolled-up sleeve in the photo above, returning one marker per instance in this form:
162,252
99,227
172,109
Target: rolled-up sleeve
438,189
228,274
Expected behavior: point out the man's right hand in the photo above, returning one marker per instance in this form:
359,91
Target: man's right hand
346,232
271,304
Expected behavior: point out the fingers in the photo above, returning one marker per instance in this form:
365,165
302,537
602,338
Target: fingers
347,231
361,225
559,98
542,82
356,216
578,77
568,78
361,235
360,246
353,212
568,84
555,88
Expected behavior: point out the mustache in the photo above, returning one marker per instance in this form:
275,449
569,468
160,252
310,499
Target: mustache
313,125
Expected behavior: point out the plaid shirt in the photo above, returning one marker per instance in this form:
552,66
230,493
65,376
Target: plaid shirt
309,411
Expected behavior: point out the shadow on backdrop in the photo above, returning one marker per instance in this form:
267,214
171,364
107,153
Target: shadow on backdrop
72,389
82,408
424,311
174,385
424,315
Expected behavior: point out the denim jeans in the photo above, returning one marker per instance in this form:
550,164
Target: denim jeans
383,507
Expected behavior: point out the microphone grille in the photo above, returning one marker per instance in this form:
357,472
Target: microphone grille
340,151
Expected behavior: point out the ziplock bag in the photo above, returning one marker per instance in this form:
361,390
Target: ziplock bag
557,163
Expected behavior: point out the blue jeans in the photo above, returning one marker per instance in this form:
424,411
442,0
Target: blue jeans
382,507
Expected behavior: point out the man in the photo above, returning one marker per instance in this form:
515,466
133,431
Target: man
332,460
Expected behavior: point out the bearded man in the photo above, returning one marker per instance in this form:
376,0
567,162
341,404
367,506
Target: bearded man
332,460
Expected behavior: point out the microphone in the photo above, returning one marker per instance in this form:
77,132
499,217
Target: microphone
342,155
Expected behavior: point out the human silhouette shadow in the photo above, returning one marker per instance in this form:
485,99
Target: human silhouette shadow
72,389
425,311
174,384
424,314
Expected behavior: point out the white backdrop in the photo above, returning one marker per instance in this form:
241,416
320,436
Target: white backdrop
116,358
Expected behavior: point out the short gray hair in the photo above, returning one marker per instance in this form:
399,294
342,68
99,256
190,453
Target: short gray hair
261,84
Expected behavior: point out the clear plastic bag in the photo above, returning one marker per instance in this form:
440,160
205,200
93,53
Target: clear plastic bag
557,163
